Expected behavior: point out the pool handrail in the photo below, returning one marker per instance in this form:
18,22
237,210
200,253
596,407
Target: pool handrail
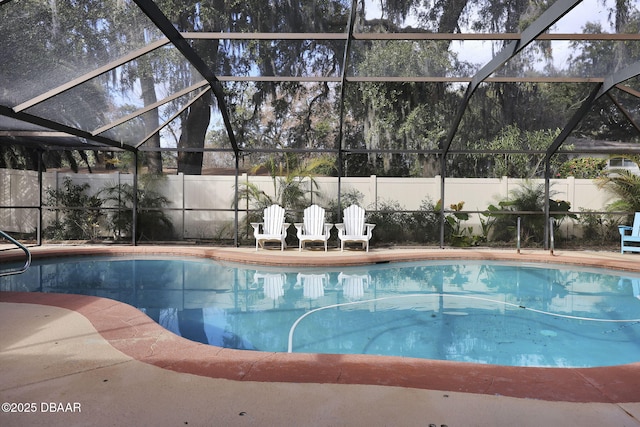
24,249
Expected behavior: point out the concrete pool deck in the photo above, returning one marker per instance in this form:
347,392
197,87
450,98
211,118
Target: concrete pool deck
123,368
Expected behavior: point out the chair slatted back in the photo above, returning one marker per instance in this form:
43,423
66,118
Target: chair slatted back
313,284
636,225
273,219
314,220
354,220
353,285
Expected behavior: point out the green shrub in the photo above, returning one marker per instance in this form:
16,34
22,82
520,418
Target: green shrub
426,223
524,202
390,221
396,225
599,227
583,168
151,222
78,215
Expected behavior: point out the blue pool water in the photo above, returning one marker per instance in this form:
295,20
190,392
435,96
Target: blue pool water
501,313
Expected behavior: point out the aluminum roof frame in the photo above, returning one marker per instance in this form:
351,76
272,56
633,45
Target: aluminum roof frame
536,31
154,13
597,92
540,25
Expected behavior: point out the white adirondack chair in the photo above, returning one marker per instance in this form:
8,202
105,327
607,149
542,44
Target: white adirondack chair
313,285
313,228
353,285
272,284
272,229
630,236
354,229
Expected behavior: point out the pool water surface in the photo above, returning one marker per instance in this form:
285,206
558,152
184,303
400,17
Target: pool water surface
503,313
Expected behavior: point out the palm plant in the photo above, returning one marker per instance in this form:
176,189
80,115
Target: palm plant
151,222
289,178
625,185
528,198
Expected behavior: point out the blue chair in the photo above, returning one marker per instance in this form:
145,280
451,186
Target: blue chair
630,236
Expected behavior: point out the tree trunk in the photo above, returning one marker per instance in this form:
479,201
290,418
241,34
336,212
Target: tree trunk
151,119
194,130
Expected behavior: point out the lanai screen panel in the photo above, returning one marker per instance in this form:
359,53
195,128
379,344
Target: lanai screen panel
284,115
48,44
397,115
627,97
514,116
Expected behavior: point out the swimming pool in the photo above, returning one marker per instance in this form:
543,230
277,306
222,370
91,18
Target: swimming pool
482,312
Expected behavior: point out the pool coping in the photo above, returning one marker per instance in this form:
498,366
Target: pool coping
138,336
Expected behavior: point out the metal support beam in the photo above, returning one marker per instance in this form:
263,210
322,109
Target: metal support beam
443,170
40,200
173,117
345,63
626,73
30,118
418,35
547,195
154,13
549,17
236,222
599,90
134,207
88,76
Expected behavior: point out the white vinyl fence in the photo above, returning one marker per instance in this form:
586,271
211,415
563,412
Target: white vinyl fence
201,206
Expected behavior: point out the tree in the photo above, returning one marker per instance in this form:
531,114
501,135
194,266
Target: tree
517,165
402,116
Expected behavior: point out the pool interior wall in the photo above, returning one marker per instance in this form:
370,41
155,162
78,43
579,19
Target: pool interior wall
490,312
135,334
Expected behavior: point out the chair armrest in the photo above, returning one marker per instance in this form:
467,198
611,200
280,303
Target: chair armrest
285,226
369,228
299,226
327,228
623,229
298,284
340,226
256,225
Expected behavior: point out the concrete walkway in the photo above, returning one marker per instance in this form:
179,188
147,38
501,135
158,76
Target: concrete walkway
54,362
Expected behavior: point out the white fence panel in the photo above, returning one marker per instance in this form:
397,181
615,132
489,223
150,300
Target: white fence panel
18,188
408,192
200,206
